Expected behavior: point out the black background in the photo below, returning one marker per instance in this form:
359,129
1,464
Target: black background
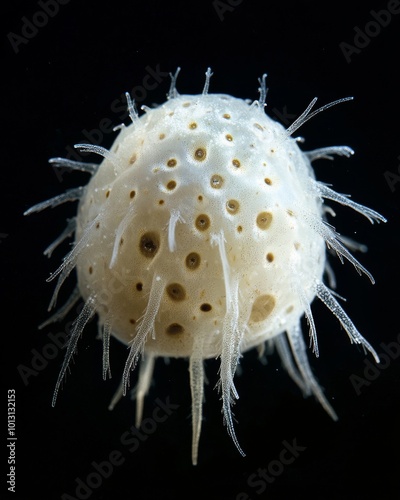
64,80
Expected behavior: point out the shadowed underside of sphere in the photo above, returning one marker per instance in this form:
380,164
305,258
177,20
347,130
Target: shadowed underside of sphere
202,234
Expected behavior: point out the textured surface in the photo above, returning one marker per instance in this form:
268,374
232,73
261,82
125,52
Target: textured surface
202,233
182,176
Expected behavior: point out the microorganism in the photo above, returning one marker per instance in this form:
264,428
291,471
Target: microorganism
203,234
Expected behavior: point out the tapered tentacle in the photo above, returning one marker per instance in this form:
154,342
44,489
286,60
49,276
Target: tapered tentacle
143,385
70,195
298,347
196,370
146,326
232,334
61,313
106,334
67,233
78,326
70,259
284,352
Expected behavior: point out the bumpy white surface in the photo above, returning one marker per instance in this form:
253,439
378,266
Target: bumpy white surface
202,234
215,159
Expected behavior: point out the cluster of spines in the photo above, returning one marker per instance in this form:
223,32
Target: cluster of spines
233,327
